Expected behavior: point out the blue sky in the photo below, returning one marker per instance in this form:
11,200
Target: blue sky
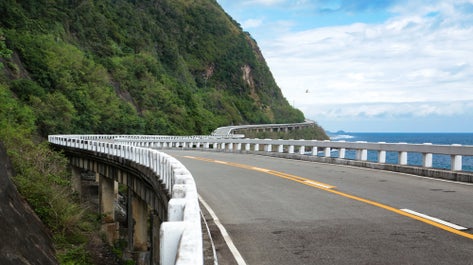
367,65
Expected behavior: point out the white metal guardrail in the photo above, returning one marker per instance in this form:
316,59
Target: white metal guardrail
181,235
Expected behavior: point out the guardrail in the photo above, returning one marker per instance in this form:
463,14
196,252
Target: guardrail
229,130
180,236
323,151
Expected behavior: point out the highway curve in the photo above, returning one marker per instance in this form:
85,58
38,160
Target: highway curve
280,211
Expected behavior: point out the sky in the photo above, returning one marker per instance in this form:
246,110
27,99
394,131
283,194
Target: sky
368,65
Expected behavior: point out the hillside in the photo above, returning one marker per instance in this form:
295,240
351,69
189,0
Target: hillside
118,67
126,66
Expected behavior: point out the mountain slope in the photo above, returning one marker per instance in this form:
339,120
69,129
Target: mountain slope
129,66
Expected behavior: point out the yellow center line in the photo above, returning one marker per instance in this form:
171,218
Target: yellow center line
301,180
330,188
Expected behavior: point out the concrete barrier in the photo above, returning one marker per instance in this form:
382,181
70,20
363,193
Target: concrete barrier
309,150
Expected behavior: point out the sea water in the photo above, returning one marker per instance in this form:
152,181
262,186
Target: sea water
439,161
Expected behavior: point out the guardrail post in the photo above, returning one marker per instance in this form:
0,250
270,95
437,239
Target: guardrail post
342,152
456,161
268,147
362,154
256,147
402,157
315,151
280,147
382,155
327,152
427,158
301,149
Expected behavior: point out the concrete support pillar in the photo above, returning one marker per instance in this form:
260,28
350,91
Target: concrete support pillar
140,224
268,148
108,191
155,227
76,180
291,149
247,147
456,161
107,199
256,147
230,147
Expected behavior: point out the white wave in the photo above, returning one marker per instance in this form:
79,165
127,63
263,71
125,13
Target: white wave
341,137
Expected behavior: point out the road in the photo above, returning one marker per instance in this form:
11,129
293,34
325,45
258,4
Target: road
280,211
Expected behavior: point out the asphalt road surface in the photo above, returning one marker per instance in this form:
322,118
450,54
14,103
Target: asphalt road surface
281,211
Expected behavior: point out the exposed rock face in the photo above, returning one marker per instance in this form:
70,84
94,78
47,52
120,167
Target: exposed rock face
23,238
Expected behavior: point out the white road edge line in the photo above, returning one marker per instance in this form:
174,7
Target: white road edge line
214,251
236,254
440,221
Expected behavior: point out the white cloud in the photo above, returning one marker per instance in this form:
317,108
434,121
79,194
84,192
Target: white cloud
389,110
265,2
422,55
252,23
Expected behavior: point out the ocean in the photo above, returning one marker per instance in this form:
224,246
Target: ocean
439,161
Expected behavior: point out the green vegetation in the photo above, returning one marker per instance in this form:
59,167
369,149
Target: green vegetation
125,67
42,179
152,67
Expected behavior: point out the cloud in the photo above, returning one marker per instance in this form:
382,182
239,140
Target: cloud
422,56
264,2
390,110
252,23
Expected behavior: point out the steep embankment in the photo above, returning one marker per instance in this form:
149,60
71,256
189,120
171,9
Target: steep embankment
24,239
